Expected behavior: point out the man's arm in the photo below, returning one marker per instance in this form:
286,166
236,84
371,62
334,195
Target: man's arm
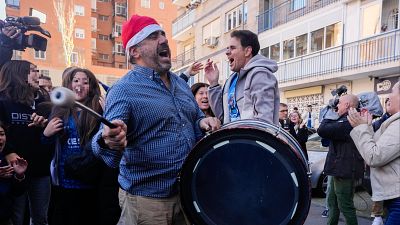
262,92
215,95
107,143
377,153
335,130
6,43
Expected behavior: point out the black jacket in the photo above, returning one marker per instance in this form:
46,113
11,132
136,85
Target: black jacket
343,159
301,136
25,140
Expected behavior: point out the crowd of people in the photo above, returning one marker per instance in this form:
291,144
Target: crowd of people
61,166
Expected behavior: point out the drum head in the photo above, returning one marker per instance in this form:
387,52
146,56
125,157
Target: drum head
244,176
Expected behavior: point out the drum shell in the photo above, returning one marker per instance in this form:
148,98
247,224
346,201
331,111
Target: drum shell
246,131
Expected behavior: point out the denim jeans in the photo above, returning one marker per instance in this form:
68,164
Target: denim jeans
38,197
393,207
340,199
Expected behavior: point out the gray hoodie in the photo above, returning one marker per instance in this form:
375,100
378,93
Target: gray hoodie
257,93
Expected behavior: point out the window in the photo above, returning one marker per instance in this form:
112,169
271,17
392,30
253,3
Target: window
275,52
317,40
93,23
301,45
370,19
103,18
118,48
74,58
42,16
145,4
120,9
265,52
79,10
333,35
103,56
288,49
12,3
211,30
235,17
118,28
297,4
94,5
40,55
161,5
93,43
79,33
44,72
103,37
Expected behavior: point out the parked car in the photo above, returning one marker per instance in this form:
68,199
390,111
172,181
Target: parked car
317,156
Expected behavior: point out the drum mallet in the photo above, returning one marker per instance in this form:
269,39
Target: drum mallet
65,97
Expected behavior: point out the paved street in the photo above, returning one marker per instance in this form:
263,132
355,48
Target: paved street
362,203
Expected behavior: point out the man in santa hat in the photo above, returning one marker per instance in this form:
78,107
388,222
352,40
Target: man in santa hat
158,121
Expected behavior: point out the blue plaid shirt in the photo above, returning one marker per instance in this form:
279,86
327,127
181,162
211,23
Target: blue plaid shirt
165,125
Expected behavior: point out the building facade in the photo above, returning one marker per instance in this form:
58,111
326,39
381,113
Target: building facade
97,43
319,45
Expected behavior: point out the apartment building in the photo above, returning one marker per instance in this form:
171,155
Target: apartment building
96,33
202,31
319,44
322,44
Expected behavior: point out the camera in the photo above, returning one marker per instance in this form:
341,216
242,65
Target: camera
336,93
24,24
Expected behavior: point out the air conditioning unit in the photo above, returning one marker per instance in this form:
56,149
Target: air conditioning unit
195,2
115,34
211,42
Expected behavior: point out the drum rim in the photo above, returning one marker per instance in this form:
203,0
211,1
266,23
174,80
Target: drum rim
272,130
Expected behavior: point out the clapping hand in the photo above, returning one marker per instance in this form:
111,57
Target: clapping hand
20,165
357,118
194,68
6,171
38,121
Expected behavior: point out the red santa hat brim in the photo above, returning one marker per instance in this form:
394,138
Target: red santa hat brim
142,34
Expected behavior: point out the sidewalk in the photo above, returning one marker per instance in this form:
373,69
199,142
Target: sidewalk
314,217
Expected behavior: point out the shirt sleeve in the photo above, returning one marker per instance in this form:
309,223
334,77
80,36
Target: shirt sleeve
117,107
215,98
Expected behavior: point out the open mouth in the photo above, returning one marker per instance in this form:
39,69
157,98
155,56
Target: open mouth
231,61
205,101
164,53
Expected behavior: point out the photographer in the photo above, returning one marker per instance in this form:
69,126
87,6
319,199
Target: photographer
343,162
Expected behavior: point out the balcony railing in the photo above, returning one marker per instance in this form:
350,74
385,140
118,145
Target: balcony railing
183,59
183,22
379,49
288,11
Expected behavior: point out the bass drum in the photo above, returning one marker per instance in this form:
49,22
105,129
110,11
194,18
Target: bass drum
248,172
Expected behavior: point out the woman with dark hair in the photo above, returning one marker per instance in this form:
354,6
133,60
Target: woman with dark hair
12,180
200,93
75,200
18,87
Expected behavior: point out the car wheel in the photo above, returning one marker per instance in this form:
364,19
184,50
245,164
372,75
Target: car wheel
322,186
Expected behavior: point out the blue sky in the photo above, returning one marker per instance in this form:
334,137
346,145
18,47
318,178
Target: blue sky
2,10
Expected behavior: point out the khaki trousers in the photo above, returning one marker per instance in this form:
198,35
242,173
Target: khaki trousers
139,210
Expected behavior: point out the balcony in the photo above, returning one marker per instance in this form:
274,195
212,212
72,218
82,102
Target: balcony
182,27
181,3
183,59
288,11
367,55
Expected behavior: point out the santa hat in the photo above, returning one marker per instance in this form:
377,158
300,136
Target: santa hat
137,29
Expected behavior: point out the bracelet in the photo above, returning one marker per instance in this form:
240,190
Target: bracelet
215,85
19,179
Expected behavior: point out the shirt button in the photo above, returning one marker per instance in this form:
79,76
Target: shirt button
183,125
